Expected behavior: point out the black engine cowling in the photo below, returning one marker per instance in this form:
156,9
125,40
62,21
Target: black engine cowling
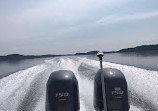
115,88
62,92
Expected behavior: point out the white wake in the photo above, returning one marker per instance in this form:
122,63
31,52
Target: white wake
25,90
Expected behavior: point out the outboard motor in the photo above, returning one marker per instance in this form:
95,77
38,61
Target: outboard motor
110,89
62,92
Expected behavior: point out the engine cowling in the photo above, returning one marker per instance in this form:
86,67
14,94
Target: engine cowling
115,88
62,92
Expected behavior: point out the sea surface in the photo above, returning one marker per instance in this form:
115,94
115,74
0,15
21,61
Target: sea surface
23,83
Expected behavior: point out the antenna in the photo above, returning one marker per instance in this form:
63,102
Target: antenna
100,55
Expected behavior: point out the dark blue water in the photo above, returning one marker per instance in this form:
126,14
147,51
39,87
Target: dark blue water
145,60
9,67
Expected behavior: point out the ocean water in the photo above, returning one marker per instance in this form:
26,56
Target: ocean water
25,90
9,67
146,60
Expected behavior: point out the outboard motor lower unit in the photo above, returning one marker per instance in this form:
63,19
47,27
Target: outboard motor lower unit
116,91
62,92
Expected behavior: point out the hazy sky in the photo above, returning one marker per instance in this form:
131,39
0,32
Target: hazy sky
70,26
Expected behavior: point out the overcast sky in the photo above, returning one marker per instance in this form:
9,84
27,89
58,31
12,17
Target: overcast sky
69,26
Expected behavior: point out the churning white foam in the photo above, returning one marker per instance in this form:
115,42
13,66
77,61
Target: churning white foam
141,81
25,90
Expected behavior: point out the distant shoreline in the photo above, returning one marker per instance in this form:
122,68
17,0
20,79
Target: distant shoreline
141,48
15,57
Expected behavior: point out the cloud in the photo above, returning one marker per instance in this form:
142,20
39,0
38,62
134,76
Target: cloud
59,12
48,17
30,25
117,18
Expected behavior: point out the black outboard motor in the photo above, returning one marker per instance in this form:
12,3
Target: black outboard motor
62,92
110,90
